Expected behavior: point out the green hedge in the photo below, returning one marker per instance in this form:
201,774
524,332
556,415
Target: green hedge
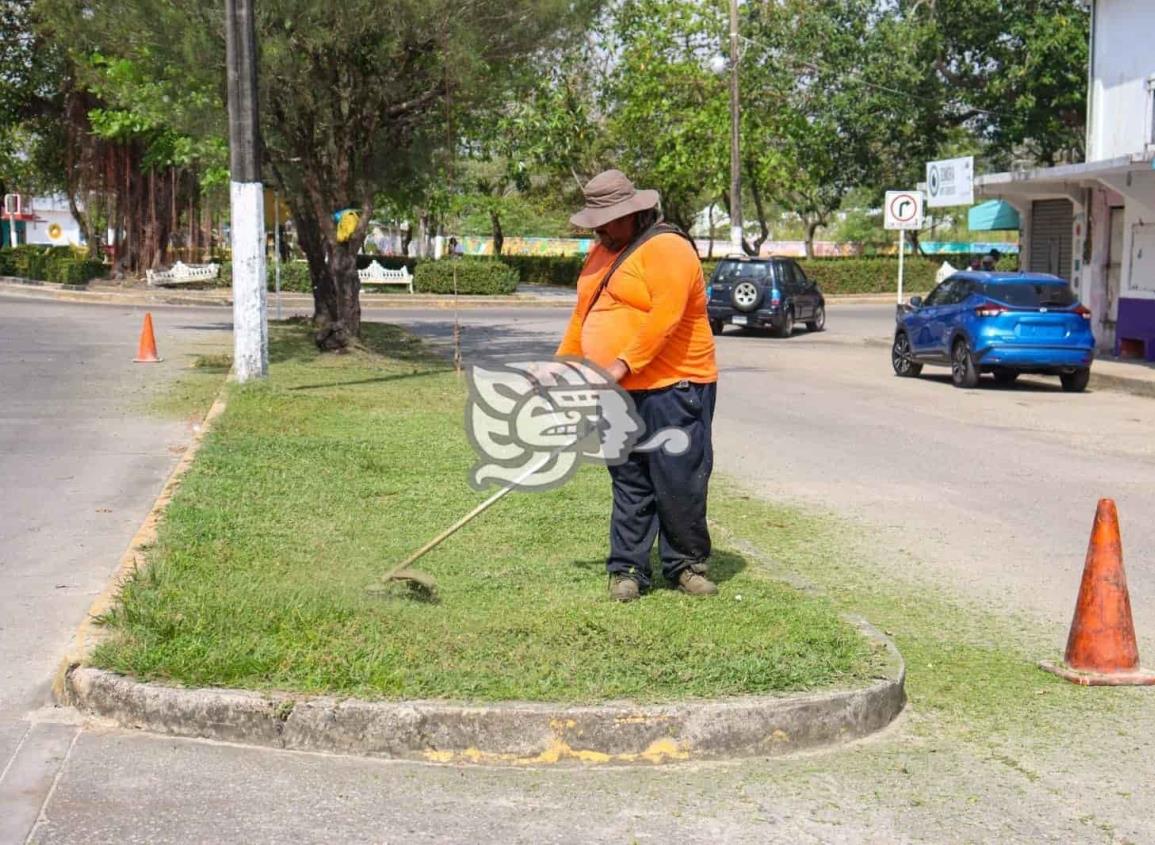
295,276
50,264
474,276
546,269
833,275
862,275
389,262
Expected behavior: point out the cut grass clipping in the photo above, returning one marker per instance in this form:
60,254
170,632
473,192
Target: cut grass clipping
311,486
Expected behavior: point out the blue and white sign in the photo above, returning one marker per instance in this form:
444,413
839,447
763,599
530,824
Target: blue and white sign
950,182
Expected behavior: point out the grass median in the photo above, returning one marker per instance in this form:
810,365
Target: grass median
309,487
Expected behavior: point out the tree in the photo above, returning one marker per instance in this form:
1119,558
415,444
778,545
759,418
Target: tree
1015,69
355,97
667,114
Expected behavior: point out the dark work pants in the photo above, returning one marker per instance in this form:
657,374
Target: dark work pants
657,495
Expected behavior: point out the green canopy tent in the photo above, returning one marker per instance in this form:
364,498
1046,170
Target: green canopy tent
992,216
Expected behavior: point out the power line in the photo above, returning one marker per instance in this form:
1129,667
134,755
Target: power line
855,77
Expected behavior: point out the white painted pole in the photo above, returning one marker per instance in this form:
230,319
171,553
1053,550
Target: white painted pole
901,251
250,297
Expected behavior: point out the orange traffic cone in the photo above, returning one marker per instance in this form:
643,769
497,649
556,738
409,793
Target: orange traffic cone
146,351
1101,649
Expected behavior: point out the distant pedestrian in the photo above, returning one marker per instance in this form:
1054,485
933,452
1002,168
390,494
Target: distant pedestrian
991,260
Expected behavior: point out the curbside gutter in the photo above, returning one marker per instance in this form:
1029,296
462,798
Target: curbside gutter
512,733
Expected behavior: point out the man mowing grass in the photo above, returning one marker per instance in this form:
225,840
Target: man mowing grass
641,315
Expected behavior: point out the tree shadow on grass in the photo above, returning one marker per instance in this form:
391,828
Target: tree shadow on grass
724,565
375,380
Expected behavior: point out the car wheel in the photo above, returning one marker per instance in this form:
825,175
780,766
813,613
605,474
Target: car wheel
787,327
902,358
1006,377
963,371
746,296
717,327
1076,382
819,321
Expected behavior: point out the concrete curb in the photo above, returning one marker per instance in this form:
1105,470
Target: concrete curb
507,733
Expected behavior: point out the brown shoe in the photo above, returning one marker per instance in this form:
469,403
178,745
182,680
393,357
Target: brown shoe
696,584
624,588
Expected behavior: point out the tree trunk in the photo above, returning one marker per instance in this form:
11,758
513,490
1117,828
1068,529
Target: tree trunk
498,235
811,228
756,247
312,243
338,323
710,248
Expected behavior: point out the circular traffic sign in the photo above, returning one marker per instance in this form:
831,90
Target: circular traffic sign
904,207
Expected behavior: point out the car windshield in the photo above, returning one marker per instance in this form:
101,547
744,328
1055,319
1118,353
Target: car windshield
1032,295
736,271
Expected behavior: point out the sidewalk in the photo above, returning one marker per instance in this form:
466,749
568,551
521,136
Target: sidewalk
1132,376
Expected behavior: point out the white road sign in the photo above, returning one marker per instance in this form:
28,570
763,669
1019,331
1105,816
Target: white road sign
950,182
902,210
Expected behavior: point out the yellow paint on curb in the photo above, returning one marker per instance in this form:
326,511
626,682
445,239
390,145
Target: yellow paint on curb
658,751
88,635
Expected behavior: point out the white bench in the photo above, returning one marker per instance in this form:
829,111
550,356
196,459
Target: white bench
183,274
375,274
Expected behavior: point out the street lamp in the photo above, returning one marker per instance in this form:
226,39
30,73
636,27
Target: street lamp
718,65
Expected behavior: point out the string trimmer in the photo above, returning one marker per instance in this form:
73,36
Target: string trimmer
423,581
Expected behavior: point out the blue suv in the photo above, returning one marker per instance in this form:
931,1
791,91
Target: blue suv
1001,323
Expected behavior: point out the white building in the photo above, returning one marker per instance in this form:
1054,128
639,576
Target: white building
52,223
1094,223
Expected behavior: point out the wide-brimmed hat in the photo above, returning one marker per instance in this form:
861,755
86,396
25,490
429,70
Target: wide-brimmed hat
611,195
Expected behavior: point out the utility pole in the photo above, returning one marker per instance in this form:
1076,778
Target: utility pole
246,197
735,150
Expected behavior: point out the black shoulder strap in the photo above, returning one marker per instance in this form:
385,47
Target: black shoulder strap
659,228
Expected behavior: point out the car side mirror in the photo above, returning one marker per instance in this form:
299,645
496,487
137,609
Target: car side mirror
916,302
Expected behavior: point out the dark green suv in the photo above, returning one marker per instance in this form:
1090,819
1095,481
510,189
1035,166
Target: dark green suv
763,293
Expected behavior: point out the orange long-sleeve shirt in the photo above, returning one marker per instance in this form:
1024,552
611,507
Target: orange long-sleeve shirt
652,315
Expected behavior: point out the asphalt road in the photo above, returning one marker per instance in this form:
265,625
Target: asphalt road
81,462
989,493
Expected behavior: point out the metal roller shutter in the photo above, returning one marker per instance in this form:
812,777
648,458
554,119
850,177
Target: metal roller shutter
1051,224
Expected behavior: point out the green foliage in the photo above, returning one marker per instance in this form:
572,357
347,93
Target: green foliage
836,276
295,276
473,276
50,264
389,262
560,270
668,115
